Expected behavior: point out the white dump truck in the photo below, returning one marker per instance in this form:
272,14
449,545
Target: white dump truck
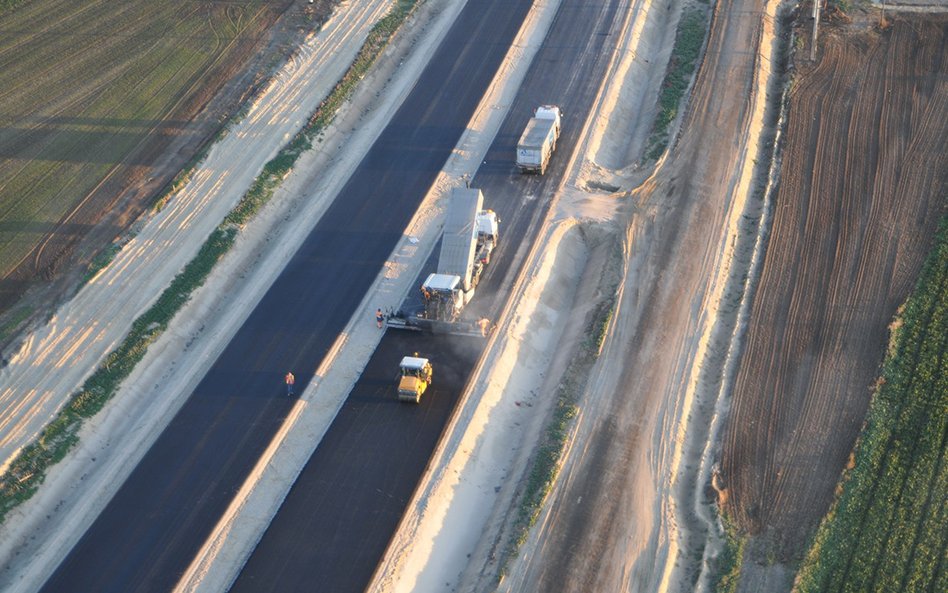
414,377
539,140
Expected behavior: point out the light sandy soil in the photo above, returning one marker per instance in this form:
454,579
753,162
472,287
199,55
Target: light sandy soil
628,507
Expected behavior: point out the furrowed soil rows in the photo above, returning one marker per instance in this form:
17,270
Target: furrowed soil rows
91,96
863,186
887,530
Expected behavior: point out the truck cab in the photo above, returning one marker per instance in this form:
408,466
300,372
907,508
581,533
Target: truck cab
487,234
414,378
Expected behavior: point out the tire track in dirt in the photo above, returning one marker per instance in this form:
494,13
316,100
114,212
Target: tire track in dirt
862,188
611,525
196,79
123,186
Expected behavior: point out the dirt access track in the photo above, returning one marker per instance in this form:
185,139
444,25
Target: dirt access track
101,106
862,187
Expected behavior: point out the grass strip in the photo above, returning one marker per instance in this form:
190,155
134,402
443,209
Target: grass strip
689,39
546,463
12,324
728,569
102,260
28,470
885,531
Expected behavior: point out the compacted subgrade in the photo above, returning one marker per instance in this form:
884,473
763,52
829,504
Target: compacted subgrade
613,520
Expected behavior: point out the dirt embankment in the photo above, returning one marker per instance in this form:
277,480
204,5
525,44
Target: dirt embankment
619,516
862,187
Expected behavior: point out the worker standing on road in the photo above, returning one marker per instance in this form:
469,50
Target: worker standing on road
484,324
379,318
290,381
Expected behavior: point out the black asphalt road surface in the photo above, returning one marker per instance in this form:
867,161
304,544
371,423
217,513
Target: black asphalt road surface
333,528
149,532
342,511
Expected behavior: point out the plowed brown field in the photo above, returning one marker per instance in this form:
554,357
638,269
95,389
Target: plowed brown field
863,184
101,103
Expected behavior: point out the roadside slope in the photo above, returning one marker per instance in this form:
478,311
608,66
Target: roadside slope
615,520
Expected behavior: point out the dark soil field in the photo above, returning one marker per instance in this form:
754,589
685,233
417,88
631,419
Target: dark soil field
101,104
863,184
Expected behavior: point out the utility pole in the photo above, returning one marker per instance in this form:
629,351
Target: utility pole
816,26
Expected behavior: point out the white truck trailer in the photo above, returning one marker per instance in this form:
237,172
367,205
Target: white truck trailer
459,242
539,140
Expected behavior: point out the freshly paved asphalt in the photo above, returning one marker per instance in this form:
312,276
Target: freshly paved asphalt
148,534
339,516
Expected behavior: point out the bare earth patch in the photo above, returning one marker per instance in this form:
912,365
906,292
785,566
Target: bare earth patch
861,192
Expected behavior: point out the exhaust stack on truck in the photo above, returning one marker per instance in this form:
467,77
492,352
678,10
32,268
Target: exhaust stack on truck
538,141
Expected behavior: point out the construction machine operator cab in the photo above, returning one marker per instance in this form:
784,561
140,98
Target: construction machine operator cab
414,378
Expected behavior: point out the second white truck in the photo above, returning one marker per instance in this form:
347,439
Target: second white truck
538,140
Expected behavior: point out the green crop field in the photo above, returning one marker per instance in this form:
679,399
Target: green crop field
91,93
889,529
